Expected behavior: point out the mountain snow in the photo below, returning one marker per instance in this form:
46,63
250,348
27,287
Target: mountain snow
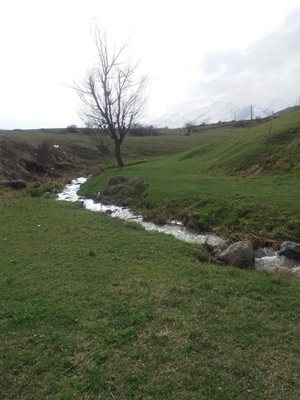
220,111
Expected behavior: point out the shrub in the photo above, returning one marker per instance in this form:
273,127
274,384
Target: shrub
72,129
143,130
43,152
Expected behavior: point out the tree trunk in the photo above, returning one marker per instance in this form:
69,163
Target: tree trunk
118,153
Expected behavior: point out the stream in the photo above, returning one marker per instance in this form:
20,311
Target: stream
265,258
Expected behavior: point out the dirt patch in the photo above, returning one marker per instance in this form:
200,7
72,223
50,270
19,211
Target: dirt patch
35,163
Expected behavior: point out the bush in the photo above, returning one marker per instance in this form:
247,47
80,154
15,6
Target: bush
40,190
43,152
72,129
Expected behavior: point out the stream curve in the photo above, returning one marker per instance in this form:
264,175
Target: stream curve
266,258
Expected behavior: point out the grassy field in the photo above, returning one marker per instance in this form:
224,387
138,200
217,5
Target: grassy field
93,308
241,182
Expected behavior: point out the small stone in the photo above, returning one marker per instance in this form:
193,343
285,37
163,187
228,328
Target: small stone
80,203
47,195
97,196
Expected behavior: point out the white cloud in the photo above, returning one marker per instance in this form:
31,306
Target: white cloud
267,69
45,44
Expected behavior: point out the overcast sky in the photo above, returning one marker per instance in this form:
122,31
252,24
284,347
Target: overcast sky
194,52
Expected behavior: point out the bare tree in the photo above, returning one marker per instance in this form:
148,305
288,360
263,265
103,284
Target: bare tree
189,126
112,97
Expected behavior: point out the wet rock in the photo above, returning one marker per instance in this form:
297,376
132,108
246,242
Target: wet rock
265,252
47,195
116,180
290,250
80,202
109,211
239,254
97,196
295,271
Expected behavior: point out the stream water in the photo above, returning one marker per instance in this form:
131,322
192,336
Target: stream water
266,258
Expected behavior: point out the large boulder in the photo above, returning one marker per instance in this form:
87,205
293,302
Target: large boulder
239,254
290,250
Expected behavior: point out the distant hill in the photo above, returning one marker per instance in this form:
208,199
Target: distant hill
221,111
286,111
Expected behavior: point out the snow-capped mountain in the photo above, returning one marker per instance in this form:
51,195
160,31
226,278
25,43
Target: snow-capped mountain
220,111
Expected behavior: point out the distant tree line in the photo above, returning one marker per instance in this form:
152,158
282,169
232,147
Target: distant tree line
72,129
143,130
135,130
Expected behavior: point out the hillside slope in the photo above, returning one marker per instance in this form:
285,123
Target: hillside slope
272,146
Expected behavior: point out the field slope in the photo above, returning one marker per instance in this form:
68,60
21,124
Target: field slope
92,308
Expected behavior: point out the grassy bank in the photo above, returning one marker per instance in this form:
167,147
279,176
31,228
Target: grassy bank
38,155
240,182
94,308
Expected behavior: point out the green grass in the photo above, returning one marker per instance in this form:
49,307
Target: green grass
241,182
93,308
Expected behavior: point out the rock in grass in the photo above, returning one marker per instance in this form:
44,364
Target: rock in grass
120,189
47,195
239,254
136,185
116,180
